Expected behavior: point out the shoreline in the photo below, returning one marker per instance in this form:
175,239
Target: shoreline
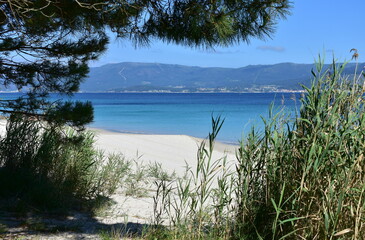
170,92
138,92
111,131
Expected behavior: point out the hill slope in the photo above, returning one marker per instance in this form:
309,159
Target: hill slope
144,77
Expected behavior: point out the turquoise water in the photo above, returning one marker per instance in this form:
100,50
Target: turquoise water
190,114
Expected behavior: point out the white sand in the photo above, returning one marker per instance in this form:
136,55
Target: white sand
172,151
2,127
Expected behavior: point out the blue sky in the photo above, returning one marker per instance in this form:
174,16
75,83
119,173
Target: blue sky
315,26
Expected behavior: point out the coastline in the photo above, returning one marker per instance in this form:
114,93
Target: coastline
181,113
108,130
198,92
192,92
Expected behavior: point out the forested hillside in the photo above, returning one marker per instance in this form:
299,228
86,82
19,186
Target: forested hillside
142,77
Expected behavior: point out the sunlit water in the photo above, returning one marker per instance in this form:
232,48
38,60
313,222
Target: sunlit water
190,114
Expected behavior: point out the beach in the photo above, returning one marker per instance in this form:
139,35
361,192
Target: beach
173,152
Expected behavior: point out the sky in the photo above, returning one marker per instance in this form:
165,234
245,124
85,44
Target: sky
326,27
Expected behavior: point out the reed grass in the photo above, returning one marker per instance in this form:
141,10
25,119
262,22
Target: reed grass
297,178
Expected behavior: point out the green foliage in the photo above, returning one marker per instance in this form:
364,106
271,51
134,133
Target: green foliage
117,234
75,114
299,178
54,167
3,228
156,171
307,172
136,181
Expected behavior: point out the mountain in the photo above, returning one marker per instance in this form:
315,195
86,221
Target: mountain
155,77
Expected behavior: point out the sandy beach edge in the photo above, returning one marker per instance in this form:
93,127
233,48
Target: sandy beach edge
173,152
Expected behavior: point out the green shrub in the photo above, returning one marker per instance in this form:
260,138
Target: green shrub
50,166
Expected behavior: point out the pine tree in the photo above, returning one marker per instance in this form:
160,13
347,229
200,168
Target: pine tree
45,45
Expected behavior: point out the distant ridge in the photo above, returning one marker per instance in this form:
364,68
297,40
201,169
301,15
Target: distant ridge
157,77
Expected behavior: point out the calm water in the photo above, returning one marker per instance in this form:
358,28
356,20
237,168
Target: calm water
190,114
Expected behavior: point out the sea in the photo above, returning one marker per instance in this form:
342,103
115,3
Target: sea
183,113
